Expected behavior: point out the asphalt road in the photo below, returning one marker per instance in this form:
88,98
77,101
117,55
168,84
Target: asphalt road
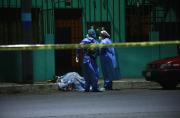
142,103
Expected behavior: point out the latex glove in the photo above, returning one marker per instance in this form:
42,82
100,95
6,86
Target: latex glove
77,60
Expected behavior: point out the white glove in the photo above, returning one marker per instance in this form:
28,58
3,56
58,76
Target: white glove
77,60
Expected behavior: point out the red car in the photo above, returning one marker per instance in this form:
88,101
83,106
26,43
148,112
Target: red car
164,71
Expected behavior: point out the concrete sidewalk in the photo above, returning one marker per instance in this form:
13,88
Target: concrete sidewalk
45,87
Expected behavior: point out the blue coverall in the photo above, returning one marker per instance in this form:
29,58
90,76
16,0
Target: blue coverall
90,68
108,63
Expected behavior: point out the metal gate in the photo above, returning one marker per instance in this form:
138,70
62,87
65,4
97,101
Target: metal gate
146,18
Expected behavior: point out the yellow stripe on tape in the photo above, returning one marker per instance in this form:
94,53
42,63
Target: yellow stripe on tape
22,47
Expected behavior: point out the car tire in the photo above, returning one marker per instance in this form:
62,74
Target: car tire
168,85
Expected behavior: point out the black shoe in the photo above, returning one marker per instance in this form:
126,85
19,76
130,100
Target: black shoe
97,90
109,88
86,90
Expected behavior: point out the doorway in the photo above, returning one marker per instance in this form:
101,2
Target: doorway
68,31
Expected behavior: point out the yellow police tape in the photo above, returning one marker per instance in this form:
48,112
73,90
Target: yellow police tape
28,47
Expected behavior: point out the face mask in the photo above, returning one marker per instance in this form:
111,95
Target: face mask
100,37
87,36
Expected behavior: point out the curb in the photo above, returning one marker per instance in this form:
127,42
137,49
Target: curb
40,88
117,85
29,88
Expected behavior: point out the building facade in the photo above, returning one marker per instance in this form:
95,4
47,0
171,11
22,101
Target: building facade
67,21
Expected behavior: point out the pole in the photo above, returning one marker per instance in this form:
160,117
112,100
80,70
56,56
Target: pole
27,63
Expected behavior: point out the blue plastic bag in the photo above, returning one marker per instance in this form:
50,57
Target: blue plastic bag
71,81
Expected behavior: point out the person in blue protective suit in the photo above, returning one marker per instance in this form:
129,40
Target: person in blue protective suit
90,68
107,60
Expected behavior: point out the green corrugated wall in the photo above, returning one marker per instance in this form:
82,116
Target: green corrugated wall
132,60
